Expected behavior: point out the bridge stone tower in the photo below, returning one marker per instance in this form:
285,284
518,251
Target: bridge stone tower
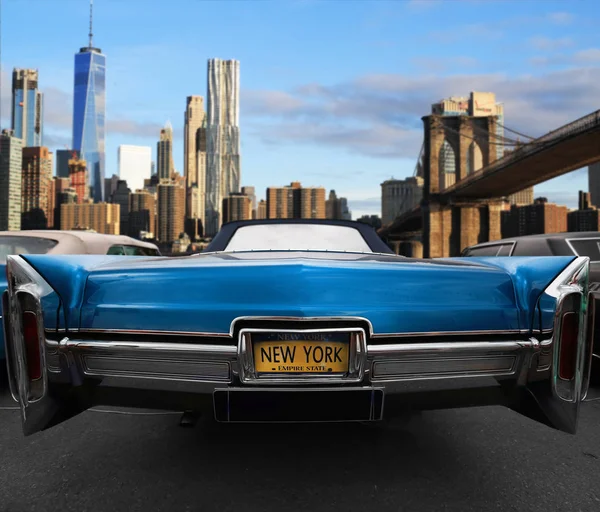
454,148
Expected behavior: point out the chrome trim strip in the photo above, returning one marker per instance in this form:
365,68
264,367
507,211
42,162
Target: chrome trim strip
451,348
142,332
143,346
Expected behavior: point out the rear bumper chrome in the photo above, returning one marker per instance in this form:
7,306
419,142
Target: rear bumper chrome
205,368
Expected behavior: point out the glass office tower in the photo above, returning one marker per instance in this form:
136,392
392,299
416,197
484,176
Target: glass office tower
89,112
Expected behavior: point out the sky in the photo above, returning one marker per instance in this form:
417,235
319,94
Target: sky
332,91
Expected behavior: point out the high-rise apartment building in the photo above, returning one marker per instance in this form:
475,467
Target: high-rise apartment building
223,173
171,211
164,153
142,218
295,202
78,178
11,165
237,207
399,196
27,107
101,217
35,188
194,161
89,113
135,163
594,183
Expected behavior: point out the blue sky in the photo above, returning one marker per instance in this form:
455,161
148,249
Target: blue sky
332,91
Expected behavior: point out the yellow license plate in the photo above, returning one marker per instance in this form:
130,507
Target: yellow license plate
301,356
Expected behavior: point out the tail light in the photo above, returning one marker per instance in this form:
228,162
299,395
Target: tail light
569,334
32,345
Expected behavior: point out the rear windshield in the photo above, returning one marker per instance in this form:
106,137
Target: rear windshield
589,247
24,245
297,237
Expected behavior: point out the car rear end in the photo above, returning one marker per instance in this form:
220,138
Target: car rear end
519,342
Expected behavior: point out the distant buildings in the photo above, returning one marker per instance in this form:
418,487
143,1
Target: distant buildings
35,188
89,114
586,217
251,193
78,179
142,218
337,207
135,164
27,107
522,198
537,218
171,211
11,165
399,196
121,197
237,207
223,172
372,220
164,153
261,209
194,162
63,194
101,217
295,202
62,157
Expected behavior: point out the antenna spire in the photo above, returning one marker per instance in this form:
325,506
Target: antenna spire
91,15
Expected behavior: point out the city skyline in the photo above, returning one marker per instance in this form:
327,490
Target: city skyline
373,100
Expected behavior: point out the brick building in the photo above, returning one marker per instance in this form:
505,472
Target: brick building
36,188
537,218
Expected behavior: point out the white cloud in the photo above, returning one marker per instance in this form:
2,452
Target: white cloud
549,44
560,18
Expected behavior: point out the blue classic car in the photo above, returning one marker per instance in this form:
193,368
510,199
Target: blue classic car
297,321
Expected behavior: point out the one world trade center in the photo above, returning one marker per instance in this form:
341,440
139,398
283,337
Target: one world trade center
89,113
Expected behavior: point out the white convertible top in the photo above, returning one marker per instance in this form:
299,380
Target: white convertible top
80,242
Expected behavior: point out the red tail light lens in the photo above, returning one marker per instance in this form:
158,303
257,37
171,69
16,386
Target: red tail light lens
32,345
568,346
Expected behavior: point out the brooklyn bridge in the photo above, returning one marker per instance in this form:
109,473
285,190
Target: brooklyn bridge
465,181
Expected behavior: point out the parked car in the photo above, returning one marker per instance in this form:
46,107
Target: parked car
64,242
296,321
585,244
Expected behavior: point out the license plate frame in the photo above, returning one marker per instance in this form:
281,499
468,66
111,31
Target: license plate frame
357,357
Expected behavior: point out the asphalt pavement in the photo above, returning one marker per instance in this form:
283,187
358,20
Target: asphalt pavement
479,459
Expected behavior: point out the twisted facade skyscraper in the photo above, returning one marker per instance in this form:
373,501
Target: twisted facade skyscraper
223,172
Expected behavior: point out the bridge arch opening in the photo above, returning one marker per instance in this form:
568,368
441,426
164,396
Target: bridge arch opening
447,165
474,158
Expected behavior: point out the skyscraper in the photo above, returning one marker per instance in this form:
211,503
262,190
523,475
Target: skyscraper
194,154
27,107
223,172
164,153
89,112
135,165
142,207
11,158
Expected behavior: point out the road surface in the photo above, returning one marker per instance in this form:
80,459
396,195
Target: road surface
463,460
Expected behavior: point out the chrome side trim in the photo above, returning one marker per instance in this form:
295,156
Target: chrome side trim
142,332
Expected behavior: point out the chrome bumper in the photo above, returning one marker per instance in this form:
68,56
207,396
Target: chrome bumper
204,368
